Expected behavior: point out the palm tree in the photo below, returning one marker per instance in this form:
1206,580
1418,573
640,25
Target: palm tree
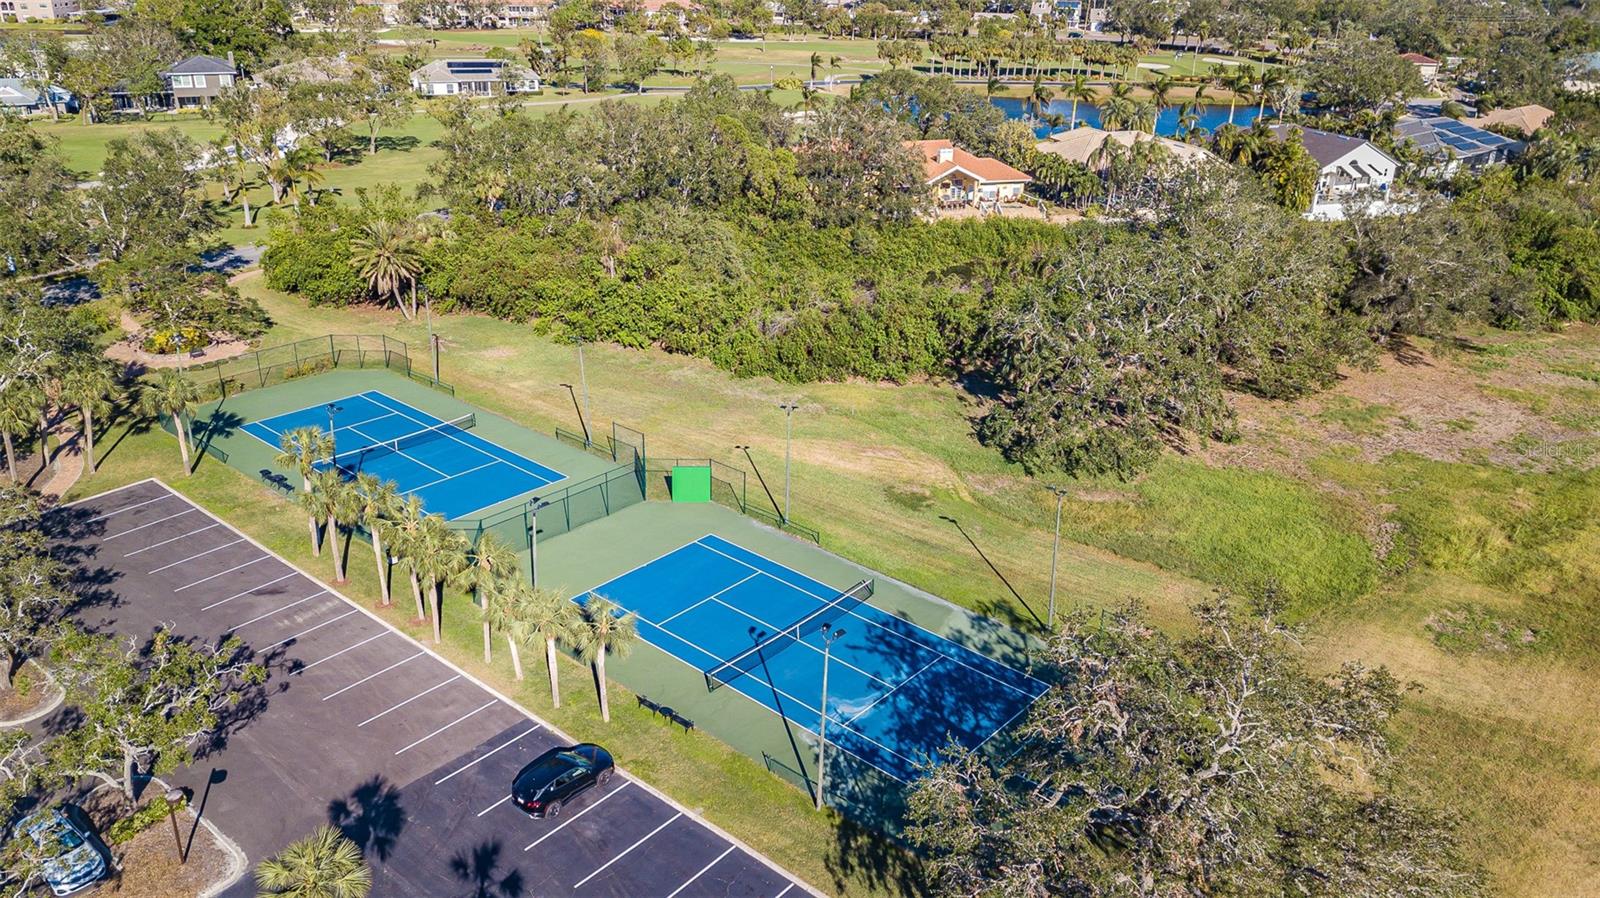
303,449
1161,91
1188,118
442,553
407,531
1271,79
386,256
172,395
89,387
490,562
19,408
300,167
604,630
1041,95
991,87
325,864
1238,82
1117,114
816,63
332,499
1078,90
1144,116
375,506
545,615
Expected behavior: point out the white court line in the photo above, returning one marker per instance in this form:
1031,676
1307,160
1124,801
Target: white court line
369,676
376,444
409,700
447,726
502,800
221,573
719,592
248,591
274,611
130,507
702,872
450,476
774,629
463,768
880,626
603,799
150,524
172,540
197,555
625,851
891,691
342,651
479,449
307,630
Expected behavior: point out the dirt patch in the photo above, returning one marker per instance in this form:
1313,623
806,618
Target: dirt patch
34,691
1498,404
151,868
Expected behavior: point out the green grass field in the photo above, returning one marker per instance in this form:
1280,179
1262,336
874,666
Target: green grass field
1472,578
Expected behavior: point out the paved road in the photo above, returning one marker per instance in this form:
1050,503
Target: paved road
362,727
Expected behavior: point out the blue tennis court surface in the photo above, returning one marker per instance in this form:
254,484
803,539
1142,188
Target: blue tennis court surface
451,469
897,693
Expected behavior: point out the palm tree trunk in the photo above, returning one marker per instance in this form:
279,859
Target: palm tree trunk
600,679
44,441
316,544
88,439
555,679
433,593
383,569
333,549
488,656
183,443
416,593
11,456
516,656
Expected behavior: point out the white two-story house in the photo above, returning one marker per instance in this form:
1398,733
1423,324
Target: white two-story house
1349,171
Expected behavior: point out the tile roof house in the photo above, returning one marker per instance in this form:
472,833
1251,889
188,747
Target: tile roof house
960,178
1427,66
1527,119
1452,144
1083,145
473,78
1349,170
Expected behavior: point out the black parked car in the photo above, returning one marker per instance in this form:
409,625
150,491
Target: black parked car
560,775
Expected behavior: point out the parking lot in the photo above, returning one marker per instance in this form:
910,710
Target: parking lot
365,728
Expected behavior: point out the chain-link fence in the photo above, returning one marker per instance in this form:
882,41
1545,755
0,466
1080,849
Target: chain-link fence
275,364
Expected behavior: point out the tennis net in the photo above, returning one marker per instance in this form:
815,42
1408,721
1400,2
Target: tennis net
399,444
753,657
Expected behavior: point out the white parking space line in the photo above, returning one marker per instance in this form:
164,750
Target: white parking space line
371,675
260,617
785,891
221,573
307,630
142,526
625,851
702,872
464,767
342,651
502,800
409,700
603,800
198,555
172,540
129,508
248,591
488,704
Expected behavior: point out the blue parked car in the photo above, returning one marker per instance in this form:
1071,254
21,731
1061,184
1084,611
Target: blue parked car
82,859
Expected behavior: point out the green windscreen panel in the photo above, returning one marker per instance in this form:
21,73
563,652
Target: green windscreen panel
691,483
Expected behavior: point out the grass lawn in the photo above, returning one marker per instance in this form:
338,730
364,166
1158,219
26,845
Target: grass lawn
1462,557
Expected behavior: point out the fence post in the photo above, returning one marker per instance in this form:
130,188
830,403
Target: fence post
260,374
296,347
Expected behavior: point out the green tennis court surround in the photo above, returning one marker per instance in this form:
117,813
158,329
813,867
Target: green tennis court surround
691,483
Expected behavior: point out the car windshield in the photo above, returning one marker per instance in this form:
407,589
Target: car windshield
574,759
69,838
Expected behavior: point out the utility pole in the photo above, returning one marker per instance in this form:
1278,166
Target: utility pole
1055,550
829,634
788,451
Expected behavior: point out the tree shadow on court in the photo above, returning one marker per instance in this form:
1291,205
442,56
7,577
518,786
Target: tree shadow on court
480,871
371,816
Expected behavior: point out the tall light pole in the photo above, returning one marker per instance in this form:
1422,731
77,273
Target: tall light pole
788,451
829,634
174,796
583,382
1055,550
582,418
333,409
